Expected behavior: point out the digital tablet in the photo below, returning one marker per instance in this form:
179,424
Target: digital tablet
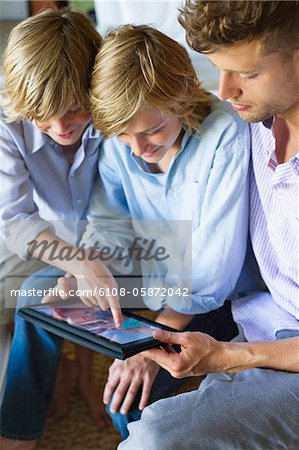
93,328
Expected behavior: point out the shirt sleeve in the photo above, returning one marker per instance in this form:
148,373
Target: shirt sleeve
20,221
109,223
218,243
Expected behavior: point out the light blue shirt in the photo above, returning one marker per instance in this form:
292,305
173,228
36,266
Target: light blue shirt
38,185
206,182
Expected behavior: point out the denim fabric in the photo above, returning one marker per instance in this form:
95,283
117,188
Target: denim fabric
219,324
31,369
257,409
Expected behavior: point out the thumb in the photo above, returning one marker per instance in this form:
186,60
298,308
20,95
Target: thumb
50,298
168,337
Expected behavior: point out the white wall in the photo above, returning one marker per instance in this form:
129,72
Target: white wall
13,10
163,15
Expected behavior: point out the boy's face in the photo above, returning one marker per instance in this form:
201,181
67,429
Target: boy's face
152,136
258,86
65,130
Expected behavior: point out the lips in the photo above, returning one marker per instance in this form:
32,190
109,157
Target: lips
239,107
151,153
66,135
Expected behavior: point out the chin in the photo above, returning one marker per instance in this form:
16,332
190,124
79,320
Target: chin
253,117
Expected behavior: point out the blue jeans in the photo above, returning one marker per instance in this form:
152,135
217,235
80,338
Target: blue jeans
31,370
218,324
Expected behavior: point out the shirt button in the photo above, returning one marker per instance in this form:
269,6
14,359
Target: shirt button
79,200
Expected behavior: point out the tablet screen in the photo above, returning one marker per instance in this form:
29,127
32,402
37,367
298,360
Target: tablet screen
100,323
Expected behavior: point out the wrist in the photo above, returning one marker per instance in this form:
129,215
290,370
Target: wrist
238,356
173,319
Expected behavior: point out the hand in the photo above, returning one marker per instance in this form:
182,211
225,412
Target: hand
124,381
200,354
96,281
61,291
69,284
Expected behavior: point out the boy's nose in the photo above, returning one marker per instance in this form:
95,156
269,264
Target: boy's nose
61,125
139,146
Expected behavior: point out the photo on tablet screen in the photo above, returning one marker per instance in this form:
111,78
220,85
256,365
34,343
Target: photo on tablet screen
100,323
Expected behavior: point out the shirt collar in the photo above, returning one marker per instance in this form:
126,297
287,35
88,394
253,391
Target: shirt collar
35,140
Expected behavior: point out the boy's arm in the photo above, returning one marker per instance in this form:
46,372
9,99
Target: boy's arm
220,227
173,319
94,280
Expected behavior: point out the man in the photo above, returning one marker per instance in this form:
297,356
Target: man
250,399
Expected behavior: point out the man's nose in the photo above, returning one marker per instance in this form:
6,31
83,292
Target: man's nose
228,86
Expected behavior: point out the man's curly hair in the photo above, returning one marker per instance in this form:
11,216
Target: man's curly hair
211,25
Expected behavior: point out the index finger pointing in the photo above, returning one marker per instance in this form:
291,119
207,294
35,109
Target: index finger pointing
117,316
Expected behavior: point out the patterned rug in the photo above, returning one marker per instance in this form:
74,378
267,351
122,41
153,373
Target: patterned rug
77,431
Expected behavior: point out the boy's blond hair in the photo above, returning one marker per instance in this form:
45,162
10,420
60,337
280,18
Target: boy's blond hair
47,65
140,67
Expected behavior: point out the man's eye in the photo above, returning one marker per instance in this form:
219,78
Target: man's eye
249,77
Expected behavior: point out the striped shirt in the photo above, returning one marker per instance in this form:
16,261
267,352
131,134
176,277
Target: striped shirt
274,229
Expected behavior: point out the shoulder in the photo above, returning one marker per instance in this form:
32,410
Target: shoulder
21,136
113,151
225,129
11,130
11,134
223,116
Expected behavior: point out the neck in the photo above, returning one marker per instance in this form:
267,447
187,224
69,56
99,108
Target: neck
286,132
70,151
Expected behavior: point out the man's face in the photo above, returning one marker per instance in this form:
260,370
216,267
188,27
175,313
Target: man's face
257,86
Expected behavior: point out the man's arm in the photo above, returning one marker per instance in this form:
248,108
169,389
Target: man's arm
201,354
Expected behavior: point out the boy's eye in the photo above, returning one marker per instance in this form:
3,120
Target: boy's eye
152,133
75,110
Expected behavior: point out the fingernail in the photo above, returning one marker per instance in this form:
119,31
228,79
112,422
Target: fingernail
157,332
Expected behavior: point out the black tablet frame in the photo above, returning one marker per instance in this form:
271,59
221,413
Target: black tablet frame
87,338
